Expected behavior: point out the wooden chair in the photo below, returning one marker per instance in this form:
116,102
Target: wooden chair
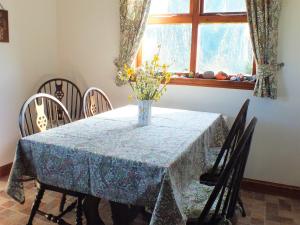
218,203
67,93
220,157
223,154
95,101
241,166
39,113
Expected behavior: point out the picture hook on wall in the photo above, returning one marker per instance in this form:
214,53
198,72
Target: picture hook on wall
4,34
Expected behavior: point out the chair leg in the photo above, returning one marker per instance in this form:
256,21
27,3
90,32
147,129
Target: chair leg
36,204
62,203
79,211
241,204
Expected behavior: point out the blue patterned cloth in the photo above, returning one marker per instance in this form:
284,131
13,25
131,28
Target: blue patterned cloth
109,156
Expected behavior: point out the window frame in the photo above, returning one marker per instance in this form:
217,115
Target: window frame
195,17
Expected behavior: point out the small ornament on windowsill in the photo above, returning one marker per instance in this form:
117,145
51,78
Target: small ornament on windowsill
4,34
221,76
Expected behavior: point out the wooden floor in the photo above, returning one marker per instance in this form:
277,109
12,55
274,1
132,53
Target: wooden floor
261,209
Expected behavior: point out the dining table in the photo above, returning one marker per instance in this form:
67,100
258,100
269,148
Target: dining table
109,156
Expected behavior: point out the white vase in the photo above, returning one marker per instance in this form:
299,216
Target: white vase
145,111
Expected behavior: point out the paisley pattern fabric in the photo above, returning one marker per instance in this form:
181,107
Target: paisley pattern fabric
109,156
263,18
133,18
195,197
212,155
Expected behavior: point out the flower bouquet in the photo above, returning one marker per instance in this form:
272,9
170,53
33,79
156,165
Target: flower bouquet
148,83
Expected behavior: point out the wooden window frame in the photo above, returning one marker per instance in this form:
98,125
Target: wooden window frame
195,17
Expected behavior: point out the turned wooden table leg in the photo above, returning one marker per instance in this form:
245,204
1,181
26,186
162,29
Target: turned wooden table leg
90,208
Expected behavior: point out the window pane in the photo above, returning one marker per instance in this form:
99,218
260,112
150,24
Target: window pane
211,6
170,6
224,47
175,41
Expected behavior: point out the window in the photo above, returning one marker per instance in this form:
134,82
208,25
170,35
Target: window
198,36
175,47
223,6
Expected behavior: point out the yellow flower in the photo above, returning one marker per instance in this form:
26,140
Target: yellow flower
125,67
164,67
155,59
151,72
146,81
168,78
129,72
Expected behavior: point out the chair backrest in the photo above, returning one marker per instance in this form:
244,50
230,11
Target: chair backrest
232,139
241,167
95,101
41,112
67,93
224,194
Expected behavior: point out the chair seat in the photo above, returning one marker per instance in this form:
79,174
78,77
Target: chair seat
211,156
195,197
210,178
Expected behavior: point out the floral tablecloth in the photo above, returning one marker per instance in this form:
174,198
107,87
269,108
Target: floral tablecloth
109,156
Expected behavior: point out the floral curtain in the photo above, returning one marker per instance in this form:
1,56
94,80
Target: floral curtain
263,18
133,19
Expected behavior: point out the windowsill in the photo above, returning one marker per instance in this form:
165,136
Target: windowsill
244,85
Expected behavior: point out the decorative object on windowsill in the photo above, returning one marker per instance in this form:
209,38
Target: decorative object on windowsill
148,83
221,76
233,78
191,74
187,74
248,78
198,75
175,76
241,77
4,34
209,75
238,77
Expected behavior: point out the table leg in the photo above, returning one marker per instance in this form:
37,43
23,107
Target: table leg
90,207
123,214
119,213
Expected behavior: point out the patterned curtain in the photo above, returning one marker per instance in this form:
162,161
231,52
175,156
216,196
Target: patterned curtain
263,18
133,19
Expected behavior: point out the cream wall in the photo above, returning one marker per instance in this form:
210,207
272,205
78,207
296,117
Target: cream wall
30,55
88,34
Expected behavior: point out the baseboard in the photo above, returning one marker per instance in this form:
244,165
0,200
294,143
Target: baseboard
271,188
5,170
